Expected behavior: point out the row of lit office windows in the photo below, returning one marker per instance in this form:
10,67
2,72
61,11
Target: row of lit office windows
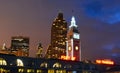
21,70
48,71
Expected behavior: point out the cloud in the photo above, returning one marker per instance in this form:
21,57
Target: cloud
107,11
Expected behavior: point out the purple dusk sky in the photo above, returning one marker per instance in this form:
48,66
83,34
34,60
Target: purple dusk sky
98,22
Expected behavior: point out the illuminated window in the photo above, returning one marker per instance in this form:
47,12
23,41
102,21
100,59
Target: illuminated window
30,71
39,71
2,70
44,65
63,43
20,70
53,55
76,48
59,20
57,65
60,71
56,55
69,48
64,28
56,41
53,24
51,71
19,62
3,62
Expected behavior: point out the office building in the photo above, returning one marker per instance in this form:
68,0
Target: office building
20,46
58,37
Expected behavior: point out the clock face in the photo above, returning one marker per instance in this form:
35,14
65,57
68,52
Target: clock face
76,36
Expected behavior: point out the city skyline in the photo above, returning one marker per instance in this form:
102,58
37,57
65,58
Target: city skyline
98,23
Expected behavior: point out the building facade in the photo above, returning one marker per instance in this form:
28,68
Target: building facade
58,37
20,46
73,42
17,64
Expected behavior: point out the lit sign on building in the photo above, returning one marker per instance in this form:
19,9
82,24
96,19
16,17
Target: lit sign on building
68,58
105,61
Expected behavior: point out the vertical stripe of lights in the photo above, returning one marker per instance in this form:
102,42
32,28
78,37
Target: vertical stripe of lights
72,48
66,48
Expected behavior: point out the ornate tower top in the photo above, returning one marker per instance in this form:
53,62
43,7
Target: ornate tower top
73,22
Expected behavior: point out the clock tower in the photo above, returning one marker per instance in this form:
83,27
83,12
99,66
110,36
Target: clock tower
73,42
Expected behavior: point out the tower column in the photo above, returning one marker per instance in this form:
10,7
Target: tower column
73,41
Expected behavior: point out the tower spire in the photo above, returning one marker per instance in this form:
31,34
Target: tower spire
73,22
73,41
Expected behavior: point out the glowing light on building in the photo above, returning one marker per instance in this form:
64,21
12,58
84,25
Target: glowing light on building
68,58
73,58
73,22
105,61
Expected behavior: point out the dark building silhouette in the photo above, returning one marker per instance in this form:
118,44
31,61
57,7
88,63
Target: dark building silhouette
20,46
58,37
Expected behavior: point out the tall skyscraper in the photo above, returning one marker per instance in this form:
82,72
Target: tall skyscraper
20,46
73,41
58,37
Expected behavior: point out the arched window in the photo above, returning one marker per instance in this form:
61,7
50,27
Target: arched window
3,61
19,62
44,64
57,65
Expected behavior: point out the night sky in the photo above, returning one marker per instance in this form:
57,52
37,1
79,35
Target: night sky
98,22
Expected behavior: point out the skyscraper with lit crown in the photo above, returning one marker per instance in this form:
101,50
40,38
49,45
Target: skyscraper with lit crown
73,42
58,37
